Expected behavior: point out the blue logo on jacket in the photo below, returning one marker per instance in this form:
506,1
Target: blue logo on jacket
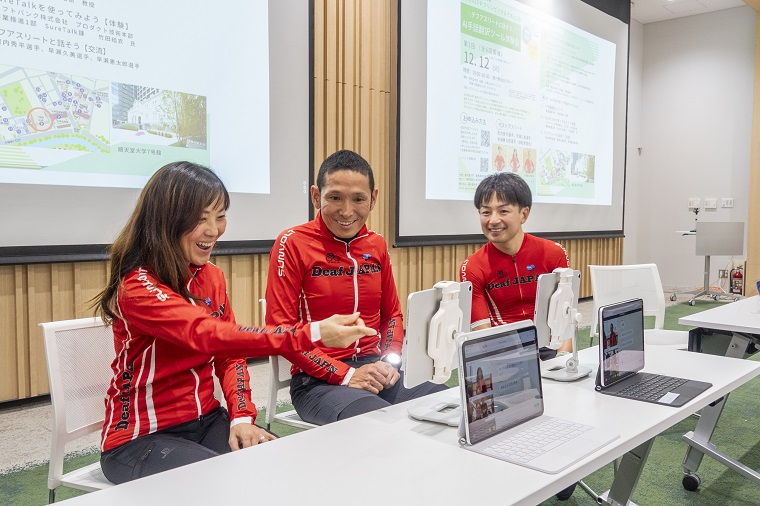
531,267
366,256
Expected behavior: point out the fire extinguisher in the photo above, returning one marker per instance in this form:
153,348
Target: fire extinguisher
737,281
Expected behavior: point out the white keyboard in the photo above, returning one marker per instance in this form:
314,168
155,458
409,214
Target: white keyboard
536,440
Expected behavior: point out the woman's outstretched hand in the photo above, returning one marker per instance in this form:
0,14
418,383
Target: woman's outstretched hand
340,331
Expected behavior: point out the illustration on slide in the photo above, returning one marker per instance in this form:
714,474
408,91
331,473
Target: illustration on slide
514,162
146,115
529,163
42,109
48,119
498,160
564,173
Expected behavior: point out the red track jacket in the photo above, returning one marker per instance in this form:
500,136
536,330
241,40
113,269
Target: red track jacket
504,286
313,275
167,349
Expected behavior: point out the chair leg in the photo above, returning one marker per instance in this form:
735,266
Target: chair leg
51,496
591,491
588,490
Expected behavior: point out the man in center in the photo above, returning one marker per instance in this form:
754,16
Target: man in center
332,264
504,272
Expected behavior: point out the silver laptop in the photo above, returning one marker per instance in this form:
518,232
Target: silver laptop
621,357
500,386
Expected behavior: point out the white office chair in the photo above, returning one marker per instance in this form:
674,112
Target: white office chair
615,283
279,378
79,354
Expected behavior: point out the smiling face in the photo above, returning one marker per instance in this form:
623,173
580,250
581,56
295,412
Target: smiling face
197,244
502,224
344,202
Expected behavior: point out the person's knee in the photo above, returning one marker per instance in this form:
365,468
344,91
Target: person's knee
361,406
165,454
150,455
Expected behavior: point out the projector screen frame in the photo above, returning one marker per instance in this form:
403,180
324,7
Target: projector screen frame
620,9
279,11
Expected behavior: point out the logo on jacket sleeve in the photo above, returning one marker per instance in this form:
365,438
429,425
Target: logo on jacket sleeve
149,285
281,252
219,313
125,397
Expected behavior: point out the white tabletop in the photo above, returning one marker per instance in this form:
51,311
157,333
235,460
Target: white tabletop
740,316
385,457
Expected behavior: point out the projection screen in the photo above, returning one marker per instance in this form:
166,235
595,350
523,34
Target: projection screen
96,96
538,88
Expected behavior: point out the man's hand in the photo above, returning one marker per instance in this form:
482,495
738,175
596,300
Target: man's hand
370,377
389,372
340,331
244,435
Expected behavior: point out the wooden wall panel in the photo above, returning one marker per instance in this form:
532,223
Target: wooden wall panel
585,252
246,283
29,295
753,212
354,108
9,372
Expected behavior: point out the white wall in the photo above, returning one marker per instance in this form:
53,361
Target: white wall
695,130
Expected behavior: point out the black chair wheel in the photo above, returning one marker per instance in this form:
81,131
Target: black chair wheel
691,482
692,302
673,297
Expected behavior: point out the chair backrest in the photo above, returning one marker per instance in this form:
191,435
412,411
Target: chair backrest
279,370
79,354
279,378
615,283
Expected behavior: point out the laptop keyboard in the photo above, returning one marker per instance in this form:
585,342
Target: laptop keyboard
536,440
652,387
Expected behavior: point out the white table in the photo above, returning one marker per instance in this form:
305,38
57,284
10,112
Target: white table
385,457
741,319
741,316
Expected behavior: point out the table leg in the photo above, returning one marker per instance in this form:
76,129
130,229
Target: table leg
701,436
627,476
699,440
738,346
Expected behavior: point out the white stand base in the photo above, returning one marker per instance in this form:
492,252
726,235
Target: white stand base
561,373
447,411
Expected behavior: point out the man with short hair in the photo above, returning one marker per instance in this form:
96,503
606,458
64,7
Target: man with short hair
330,265
504,272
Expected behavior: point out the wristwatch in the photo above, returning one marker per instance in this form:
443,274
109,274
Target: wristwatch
392,358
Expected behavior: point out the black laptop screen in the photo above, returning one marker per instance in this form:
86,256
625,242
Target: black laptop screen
621,339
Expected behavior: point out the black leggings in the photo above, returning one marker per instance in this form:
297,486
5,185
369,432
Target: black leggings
319,402
189,442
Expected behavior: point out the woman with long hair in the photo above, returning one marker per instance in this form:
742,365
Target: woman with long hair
174,329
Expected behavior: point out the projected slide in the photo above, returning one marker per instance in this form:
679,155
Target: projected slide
99,93
532,95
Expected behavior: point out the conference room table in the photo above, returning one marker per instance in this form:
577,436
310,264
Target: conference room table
386,457
740,321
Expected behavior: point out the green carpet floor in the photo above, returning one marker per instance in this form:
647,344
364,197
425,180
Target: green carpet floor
737,434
